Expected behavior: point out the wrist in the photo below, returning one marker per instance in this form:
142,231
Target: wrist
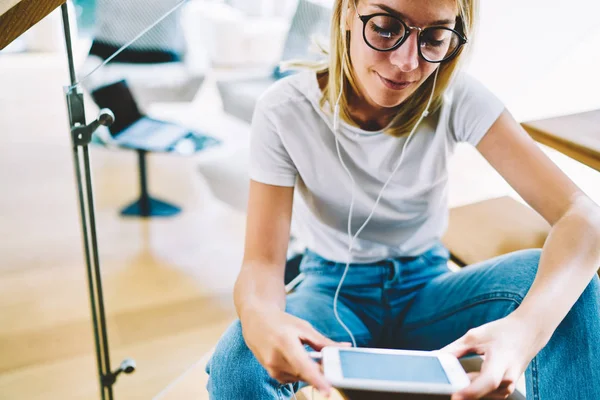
534,326
254,310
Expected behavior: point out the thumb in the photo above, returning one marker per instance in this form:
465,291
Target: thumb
487,381
316,340
458,348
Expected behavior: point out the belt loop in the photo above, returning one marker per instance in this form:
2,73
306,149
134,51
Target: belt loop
396,264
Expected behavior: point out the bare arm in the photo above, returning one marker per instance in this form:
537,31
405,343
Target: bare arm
276,338
571,254
569,260
260,282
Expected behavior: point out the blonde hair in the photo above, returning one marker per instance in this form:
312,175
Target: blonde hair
414,105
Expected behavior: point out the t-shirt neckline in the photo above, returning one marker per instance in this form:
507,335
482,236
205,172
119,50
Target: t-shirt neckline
345,128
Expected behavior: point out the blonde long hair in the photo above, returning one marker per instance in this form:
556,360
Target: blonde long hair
412,107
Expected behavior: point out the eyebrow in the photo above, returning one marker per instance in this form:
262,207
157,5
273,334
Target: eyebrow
400,15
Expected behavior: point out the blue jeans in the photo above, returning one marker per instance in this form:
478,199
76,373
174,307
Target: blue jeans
418,303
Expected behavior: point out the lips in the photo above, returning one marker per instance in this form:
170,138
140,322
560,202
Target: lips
394,85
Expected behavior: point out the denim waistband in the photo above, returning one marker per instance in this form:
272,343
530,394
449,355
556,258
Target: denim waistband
436,254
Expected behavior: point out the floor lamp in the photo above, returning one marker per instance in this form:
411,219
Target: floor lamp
81,135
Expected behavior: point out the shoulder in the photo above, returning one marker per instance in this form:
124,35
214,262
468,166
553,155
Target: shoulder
463,86
471,108
468,96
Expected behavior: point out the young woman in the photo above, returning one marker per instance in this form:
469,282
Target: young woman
361,148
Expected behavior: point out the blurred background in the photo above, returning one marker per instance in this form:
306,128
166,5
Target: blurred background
199,70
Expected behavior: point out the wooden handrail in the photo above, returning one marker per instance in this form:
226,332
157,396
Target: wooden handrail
17,16
575,135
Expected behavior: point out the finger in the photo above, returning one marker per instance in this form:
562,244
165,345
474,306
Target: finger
472,376
488,381
459,348
504,390
284,378
501,394
497,394
281,371
305,368
511,388
315,339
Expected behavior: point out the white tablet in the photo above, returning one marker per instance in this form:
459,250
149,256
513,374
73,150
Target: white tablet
399,371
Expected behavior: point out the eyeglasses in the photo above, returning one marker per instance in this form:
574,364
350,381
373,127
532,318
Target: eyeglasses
385,32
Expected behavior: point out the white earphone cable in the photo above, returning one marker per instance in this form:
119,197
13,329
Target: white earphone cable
336,121
352,238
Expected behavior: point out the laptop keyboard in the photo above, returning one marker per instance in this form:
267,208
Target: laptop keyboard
152,135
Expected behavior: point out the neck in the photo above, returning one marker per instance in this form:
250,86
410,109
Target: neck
368,116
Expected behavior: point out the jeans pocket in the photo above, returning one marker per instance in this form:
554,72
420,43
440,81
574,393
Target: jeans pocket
438,254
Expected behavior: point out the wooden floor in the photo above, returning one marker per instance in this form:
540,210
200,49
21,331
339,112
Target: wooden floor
167,283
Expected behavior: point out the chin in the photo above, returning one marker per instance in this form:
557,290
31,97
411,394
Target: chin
383,98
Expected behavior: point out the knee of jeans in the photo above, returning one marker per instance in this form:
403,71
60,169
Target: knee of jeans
230,354
518,270
233,366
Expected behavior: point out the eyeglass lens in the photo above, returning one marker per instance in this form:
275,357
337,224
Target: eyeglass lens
436,43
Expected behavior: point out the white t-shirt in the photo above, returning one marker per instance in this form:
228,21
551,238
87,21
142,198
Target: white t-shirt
293,144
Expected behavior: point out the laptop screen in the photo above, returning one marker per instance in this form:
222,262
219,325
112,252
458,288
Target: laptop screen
119,99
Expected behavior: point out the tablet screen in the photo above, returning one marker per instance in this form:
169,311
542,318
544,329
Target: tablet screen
389,367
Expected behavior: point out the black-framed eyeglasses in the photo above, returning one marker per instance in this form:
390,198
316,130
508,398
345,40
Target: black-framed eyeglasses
386,32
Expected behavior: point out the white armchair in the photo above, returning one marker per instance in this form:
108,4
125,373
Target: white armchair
311,19
157,66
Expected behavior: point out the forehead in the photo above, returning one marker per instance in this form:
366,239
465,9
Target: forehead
416,12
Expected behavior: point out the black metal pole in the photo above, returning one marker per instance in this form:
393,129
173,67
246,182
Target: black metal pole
67,29
144,195
90,275
99,343
81,136
107,386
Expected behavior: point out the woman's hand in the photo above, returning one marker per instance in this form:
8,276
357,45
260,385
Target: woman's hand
277,340
507,346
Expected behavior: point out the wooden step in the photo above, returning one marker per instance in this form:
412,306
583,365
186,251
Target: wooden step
480,231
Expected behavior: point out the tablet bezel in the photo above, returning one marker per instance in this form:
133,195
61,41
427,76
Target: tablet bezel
452,369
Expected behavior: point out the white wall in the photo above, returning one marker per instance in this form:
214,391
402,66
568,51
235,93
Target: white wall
541,57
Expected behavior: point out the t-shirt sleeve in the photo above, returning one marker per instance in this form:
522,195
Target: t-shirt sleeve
270,162
474,110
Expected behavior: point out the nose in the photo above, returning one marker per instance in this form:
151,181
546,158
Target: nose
406,57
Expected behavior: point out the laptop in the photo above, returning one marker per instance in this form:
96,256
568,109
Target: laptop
133,129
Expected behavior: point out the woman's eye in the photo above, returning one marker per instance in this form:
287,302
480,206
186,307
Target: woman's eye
383,32
432,43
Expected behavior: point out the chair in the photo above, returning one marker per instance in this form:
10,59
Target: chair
239,94
149,135
228,177
156,65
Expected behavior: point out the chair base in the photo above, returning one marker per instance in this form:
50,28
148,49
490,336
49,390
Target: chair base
150,208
